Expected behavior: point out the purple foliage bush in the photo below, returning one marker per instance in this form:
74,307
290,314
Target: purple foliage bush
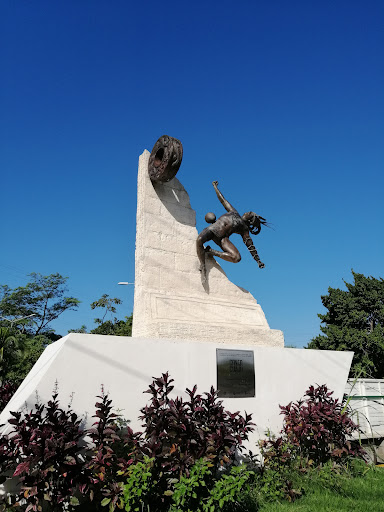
7,390
177,433
319,427
43,451
316,431
46,447
112,454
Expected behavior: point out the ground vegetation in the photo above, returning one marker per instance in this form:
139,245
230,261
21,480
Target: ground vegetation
186,458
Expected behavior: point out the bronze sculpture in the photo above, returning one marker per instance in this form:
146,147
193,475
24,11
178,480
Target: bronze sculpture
165,159
221,229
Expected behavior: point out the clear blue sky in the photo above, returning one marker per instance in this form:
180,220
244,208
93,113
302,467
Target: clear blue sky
281,102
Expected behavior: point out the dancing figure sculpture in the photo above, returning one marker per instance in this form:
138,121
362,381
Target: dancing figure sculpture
221,229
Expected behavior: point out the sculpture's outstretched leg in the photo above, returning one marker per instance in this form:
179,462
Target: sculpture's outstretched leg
230,252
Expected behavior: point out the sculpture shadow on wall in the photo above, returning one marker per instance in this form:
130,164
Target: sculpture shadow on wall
176,200
211,263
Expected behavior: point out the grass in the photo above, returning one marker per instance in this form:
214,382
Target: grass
360,494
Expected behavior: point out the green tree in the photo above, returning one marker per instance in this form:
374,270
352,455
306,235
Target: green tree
8,344
7,340
112,326
108,326
43,298
115,328
81,330
108,304
18,363
355,321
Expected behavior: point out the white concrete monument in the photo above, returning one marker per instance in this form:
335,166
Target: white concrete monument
170,300
198,334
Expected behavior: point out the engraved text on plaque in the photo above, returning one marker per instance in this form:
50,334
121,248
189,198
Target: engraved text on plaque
235,373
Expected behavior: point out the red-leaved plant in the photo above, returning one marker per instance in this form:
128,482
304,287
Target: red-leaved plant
177,433
7,390
319,427
110,457
46,447
43,450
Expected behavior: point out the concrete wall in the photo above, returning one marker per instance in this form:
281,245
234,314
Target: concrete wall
81,363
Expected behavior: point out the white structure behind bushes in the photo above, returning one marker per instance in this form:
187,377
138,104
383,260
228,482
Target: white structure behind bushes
82,363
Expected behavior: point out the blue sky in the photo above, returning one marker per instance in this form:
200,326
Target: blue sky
281,102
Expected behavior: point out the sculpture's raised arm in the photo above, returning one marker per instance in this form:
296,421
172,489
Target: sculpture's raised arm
227,205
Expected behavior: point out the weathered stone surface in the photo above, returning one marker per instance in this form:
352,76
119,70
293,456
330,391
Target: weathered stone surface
170,300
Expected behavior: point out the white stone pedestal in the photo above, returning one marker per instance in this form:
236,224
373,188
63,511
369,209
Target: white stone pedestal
81,363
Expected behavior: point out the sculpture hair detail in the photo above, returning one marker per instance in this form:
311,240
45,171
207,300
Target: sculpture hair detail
255,222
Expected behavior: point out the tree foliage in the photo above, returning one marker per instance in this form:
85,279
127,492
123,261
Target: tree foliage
108,304
115,328
25,316
43,297
111,326
8,345
18,363
355,321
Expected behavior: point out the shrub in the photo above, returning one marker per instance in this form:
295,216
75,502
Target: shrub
140,490
319,427
43,451
228,490
110,457
190,491
177,433
201,490
7,390
314,443
279,465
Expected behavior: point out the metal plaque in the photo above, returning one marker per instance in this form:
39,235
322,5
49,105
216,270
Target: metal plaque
235,373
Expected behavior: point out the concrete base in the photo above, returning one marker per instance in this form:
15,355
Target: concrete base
81,363
170,299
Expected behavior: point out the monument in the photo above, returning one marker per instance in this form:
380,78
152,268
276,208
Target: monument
189,321
179,292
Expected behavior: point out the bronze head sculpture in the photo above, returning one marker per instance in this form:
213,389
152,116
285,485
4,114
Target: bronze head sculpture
220,230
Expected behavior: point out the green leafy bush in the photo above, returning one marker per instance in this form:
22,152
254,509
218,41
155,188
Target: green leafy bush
201,491
140,490
228,490
190,491
279,464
